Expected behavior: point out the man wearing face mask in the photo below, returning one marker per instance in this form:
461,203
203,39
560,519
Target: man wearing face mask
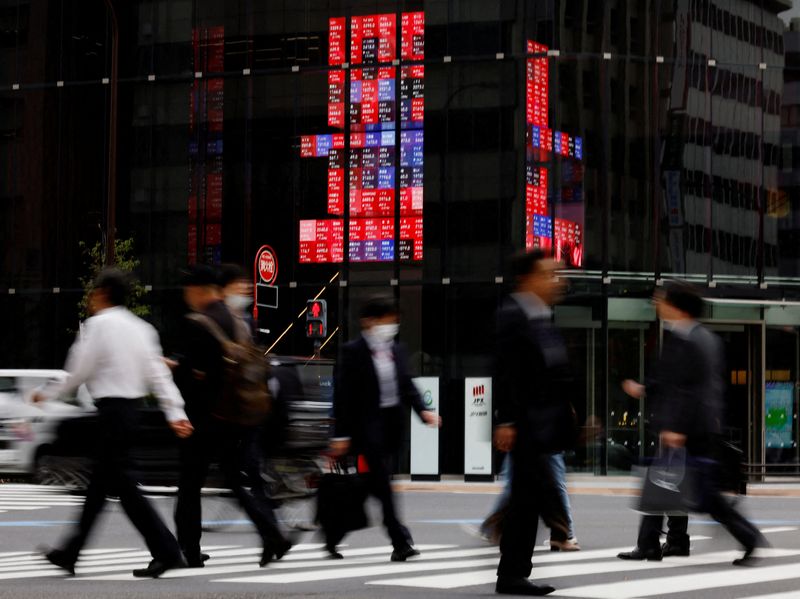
372,384
237,292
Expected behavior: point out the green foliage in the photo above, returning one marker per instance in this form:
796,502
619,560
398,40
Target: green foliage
94,258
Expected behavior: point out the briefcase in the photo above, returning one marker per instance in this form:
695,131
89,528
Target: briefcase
670,484
340,502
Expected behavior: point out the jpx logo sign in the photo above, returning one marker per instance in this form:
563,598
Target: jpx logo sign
478,395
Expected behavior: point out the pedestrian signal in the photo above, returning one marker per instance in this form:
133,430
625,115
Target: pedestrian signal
316,319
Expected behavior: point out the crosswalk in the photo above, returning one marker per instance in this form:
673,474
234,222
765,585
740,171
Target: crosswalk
24,497
589,574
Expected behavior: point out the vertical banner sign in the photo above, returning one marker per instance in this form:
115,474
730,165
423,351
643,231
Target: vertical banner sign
425,439
478,426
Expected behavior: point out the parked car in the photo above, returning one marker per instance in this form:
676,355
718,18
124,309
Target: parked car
28,431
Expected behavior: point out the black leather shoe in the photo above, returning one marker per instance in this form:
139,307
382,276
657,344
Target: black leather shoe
668,550
283,549
507,585
156,568
651,555
197,560
403,553
59,558
749,559
332,553
266,557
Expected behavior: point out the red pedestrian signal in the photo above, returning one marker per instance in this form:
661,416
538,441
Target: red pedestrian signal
316,319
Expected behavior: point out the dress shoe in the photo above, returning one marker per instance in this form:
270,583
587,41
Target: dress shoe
651,555
283,549
332,553
507,585
668,550
198,560
568,545
156,568
750,558
403,553
59,558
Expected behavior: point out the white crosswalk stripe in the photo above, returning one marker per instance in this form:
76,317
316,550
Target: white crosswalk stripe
589,574
26,498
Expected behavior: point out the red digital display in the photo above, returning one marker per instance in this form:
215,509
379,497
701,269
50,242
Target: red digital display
383,156
546,204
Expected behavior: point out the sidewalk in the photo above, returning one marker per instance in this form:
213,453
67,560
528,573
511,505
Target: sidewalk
583,484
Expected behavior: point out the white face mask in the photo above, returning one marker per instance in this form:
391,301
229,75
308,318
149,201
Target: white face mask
238,302
384,333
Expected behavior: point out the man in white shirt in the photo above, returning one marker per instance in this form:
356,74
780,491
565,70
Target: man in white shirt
118,356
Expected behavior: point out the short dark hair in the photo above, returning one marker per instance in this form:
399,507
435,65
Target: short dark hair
526,263
379,306
200,275
685,297
115,283
228,273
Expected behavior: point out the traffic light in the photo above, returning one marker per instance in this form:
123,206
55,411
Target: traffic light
316,319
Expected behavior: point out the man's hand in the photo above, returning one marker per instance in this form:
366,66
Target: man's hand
339,447
634,389
171,364
432,419
38,397
670,439
504,437
181,428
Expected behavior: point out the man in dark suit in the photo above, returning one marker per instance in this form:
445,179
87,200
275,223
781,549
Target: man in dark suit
372,386
686,389
534,419
199,372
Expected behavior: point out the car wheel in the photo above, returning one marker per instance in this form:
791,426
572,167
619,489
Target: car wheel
70,473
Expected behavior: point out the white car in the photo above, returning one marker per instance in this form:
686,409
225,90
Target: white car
27,430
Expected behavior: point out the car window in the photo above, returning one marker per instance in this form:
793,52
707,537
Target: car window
8,384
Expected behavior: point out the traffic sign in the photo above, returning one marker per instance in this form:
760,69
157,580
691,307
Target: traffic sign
266,265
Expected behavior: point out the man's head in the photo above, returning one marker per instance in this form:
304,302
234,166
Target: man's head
379,316
200,287
536,272
110,288
237,289
678,301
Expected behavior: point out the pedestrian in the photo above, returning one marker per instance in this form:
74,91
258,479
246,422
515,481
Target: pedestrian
371,386
118,357
686,391
534,420
200,373
237,292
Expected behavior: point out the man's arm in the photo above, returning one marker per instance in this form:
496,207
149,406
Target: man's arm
409,392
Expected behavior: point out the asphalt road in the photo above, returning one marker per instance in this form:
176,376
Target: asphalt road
453,562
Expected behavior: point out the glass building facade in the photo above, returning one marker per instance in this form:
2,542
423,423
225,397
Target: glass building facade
410,148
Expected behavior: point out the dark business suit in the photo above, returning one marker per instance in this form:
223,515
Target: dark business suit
532,382
686,389
374,432
200,376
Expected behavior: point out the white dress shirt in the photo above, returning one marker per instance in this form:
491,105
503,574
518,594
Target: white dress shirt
118,354
385,369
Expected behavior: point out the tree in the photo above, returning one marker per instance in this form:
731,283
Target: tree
126,261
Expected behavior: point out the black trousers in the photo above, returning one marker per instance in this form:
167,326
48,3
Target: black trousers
111,475
379,486
230,444
532,494
650,532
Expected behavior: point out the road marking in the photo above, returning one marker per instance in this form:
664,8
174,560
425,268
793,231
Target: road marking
732,577
767,531
290,562
452,581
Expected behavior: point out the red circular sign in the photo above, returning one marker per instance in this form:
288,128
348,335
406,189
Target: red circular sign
267,264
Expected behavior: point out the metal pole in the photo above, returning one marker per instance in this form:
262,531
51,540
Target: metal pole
111,195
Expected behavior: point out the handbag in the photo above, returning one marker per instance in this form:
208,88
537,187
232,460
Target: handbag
340,502
670,484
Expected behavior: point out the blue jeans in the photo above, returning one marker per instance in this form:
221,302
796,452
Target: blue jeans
559,470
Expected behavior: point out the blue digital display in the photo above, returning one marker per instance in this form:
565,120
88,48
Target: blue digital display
542,226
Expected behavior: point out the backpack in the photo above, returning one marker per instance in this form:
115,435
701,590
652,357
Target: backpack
245,396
